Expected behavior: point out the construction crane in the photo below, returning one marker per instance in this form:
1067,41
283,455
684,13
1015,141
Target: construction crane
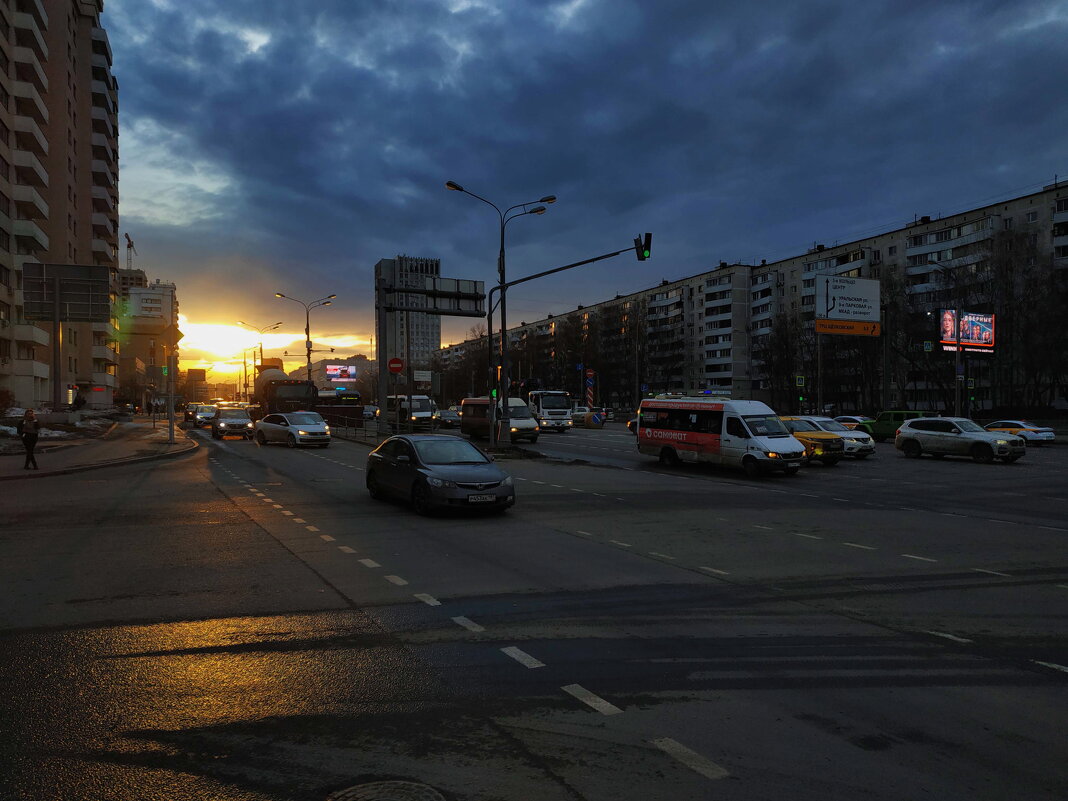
130,251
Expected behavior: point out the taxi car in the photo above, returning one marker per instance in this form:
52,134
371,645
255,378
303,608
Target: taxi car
858,443
820,446
1029,432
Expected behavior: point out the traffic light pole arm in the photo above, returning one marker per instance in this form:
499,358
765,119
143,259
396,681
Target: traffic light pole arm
510,284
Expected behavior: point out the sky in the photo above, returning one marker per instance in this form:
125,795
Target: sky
278,146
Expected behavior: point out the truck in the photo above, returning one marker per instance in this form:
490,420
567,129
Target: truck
276,392
551,408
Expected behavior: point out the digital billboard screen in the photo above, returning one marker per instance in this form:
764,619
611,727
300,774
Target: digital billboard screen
340,372
976,330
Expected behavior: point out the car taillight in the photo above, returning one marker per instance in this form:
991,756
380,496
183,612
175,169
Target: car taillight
897,433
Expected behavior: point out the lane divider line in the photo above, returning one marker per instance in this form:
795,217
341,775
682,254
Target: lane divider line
661,555
583,533
921,558
717,572
395,580
287,514
312,528
522,657
991,572
467,623
591,700
1053,665
345,549
325,537
858,545
369,563
429,600
691,759
620,544
299,520
952,637
807,536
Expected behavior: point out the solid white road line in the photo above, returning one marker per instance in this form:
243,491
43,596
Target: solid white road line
591,700
467,623
691,759
369,563
991,572
522,657
395,580
429,600
345,549
952,637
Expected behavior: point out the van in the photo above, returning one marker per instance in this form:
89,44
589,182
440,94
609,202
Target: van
474,419
734,433
416,410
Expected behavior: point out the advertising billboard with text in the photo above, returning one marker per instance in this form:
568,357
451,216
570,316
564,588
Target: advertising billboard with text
976,331
340,372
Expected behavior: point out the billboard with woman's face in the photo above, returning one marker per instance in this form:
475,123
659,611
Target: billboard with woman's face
976,330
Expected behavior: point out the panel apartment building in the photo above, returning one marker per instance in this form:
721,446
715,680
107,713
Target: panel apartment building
747,331
58,189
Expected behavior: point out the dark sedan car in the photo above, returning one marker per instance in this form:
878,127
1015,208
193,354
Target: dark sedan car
438,471
447,418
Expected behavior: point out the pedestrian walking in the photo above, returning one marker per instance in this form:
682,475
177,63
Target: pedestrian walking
28,429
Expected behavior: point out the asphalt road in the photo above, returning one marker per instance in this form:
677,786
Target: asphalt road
245,623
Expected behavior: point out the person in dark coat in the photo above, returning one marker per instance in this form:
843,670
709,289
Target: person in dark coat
29,427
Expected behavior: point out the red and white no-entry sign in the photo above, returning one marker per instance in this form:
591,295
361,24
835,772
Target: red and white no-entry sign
395,365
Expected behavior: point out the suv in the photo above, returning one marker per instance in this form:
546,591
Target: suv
230,421
957,436
820,446
886,424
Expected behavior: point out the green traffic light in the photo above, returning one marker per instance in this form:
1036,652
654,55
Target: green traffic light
493,394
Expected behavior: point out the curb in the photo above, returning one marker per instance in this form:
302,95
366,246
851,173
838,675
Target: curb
193,445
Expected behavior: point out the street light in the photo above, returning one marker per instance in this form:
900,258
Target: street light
307,320
958,372
502,377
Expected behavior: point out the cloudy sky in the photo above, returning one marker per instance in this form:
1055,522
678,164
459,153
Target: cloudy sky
285,146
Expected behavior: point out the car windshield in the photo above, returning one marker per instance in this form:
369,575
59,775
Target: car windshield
293,391
304,419
233,414
519,412
968,425
206,410
555,402
420,405
832,425
801,425
448,451
766,425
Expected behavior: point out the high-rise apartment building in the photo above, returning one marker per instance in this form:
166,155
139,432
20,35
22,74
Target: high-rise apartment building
414,336
58,189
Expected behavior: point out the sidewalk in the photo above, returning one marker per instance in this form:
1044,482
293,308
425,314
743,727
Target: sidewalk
124,443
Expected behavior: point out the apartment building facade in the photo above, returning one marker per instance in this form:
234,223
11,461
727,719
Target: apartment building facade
412,336
748,331
58,190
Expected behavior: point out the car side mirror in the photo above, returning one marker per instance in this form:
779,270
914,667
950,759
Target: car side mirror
491,457
403,459
954,431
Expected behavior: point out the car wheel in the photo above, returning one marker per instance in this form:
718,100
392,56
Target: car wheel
291,441
260,439
750,466
533,440
669,457
983,454
373,489
421,498
790,471
911,448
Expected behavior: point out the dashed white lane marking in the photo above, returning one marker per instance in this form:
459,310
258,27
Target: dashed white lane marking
1003,522
577,490
807,536
1053,665
858,545
276,505
921,558
522,657
621,499
991,572
345,549
467,623
620,544
558,486
766,528
583,533
1051,528
324,537
661,555
591,700
537,482
299,520
952,637
287,514
265,499
691,759
717,572
395,580
312,528
369,563
429,600
843,500
1063,586
807,495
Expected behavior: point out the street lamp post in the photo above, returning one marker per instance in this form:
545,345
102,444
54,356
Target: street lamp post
307,320
261,332
502,377
958,372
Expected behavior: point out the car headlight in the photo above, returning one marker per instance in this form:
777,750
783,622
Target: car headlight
413,418
440,482
507,481
1002,442
515,430
302,433
248,425
326,429
772,455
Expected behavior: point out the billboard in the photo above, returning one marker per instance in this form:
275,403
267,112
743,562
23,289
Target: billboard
847,305
75,293
976,331
340,372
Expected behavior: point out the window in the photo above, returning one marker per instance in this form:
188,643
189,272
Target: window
1032,216
892,250
736,429
1062,204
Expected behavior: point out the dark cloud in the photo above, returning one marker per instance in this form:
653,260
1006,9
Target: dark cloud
731,130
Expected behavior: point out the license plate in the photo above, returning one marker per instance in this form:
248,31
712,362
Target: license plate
481,498
793,464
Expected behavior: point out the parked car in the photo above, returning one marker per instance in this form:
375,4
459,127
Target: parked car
370,412
885,426
231,421
851,421
293,429
957,436
202,416
1029,432
447,418
578,411
820,446
438,471
858,444
190,413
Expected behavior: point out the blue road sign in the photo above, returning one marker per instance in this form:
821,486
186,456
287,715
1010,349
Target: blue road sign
589,382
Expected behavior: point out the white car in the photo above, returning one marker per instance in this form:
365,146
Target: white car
956,436
1029,432
293,429
578,411
858,444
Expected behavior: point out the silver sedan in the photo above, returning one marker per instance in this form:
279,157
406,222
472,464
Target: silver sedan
293,429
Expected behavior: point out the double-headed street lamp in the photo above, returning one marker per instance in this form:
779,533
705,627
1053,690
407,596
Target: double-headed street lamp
307,320
501,379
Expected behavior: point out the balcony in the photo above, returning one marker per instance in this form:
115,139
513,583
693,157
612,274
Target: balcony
38,12
28,367
28,101
28,34
30,237
102,122
104,353
30,334
28,169
102,97
102,174
105,328
103,142
105,380
102,250
101,44
29,136
28,68
29,203
104,227
102,199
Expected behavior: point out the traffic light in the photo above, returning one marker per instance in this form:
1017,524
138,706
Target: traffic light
163,370
643,249
493,393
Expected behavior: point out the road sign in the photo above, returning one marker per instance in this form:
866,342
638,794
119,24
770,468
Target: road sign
928,346
395,365
855,327
847,299
589,382
799,381
590,374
